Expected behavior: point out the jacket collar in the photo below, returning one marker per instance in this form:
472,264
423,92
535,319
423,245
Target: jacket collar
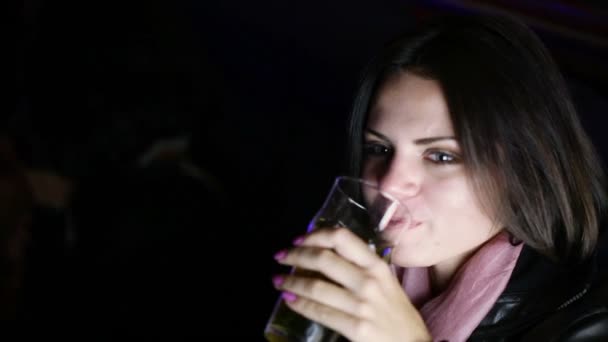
538,287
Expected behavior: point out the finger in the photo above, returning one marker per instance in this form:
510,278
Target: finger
326,262
345,324
323,291
346,244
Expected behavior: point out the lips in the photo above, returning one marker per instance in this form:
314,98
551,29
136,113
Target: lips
398,223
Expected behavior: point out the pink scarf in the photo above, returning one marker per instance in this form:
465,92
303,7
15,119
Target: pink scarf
458,310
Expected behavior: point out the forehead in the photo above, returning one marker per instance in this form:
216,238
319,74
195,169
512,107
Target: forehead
406,100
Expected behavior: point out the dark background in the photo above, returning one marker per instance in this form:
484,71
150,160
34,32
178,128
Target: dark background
263,90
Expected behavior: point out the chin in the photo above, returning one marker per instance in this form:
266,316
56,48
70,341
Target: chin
410,258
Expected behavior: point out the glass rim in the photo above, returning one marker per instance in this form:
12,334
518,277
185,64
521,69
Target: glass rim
365,182
394,200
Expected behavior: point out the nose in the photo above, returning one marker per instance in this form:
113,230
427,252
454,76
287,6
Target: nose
401,178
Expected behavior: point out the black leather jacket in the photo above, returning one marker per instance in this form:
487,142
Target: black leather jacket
544,301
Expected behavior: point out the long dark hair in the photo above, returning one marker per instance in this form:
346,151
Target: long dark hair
525,151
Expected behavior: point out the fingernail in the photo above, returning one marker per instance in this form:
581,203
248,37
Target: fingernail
280,255
278,280
289,297
298,241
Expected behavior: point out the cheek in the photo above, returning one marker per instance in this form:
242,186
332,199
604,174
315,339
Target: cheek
372,170
454,225
455,207
449,199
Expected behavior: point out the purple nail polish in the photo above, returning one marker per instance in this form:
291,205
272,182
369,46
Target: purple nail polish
289,297
281,255
278,280
298,241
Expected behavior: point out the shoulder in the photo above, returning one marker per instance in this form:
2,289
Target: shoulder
587,320
545,301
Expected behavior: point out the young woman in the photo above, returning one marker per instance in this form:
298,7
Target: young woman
470,122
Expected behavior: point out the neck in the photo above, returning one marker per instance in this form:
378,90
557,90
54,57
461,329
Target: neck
441,274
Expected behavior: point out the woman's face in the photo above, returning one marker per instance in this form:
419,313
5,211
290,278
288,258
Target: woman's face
411,151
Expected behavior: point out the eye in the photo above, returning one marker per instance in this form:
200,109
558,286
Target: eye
442,157
374,149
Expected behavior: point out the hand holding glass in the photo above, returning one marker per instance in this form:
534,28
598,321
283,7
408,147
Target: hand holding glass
361,207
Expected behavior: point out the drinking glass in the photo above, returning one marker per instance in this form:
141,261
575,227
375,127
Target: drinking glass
362,207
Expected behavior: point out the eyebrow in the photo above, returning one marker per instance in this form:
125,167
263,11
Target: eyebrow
421,141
